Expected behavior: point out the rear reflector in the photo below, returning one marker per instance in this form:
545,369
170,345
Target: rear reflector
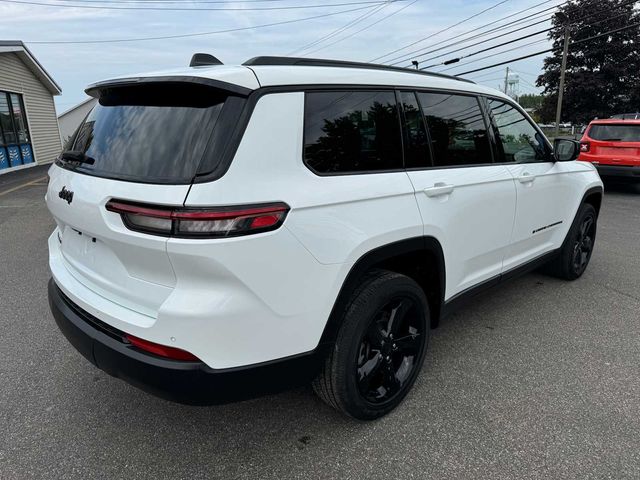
210,222
161,350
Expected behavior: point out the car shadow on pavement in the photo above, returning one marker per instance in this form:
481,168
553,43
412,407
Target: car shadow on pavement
621,187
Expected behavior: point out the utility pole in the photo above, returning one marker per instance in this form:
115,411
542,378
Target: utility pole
506,81
565,52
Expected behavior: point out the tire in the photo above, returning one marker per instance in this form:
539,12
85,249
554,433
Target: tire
368,373
577,248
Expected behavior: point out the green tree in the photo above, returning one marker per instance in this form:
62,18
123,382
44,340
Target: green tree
530,100
603,74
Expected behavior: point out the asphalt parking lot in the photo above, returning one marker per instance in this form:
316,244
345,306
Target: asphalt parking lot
536,379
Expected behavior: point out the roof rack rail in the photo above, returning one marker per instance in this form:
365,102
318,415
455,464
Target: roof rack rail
321,62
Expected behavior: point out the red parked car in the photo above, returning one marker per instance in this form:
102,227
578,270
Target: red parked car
613,146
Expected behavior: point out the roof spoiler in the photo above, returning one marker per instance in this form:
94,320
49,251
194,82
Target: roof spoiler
94,89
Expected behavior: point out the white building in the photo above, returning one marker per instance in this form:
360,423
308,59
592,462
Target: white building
71,119
28,126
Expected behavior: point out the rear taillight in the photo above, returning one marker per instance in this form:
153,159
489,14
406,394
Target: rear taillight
161,350
585,146
211,222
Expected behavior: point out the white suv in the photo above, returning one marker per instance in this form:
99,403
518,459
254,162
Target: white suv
224,231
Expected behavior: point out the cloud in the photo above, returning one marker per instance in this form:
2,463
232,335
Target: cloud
75,66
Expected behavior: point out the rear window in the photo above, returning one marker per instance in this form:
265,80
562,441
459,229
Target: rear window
152,133
615,133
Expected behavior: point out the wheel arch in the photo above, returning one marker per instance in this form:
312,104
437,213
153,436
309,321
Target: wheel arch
593,196
420,258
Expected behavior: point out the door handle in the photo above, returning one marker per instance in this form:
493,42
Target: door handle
526,177
438,189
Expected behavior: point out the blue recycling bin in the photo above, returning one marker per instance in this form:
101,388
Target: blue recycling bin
14,156
4,158
27,153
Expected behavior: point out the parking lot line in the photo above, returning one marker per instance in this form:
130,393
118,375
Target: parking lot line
32,182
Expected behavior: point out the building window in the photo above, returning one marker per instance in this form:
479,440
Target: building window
15,142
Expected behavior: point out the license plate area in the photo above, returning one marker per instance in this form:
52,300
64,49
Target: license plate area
89,255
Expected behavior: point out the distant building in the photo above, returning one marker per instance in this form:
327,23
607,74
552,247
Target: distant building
70,120
29,132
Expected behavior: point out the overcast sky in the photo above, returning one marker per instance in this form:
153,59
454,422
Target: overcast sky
73,66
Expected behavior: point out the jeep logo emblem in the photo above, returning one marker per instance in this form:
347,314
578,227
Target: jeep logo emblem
66,195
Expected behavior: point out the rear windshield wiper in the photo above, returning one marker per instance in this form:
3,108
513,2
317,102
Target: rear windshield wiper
77,157
612,140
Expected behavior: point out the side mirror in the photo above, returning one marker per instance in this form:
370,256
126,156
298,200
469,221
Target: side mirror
566,150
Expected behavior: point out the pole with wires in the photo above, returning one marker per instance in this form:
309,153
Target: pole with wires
565,52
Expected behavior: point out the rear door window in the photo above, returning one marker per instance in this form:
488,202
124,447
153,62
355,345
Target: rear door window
457,129
352,132
154,133
615,132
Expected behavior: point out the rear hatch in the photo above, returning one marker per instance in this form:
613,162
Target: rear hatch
615,143
142,143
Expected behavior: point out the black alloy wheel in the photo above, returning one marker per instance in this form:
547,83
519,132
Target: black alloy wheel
389,350
583,244
379,348
574,255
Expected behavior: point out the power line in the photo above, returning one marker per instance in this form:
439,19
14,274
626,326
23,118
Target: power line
448,62
551,49
337,31
525,80
425,50
455,60
171,1
188,35
196,9
481,41
592,14
443,30
364,28
496,54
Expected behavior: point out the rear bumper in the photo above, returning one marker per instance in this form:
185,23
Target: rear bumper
630,173
185,382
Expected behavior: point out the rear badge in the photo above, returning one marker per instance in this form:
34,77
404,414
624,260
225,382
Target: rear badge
66,195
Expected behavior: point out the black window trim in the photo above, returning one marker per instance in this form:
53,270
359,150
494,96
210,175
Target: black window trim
404,128
256,95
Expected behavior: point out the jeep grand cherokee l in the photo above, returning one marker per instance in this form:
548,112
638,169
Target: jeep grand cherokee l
224,231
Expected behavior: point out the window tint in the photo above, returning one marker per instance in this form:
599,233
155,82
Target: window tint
615,133
416,148
154,133
518,140
351,132
457,128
